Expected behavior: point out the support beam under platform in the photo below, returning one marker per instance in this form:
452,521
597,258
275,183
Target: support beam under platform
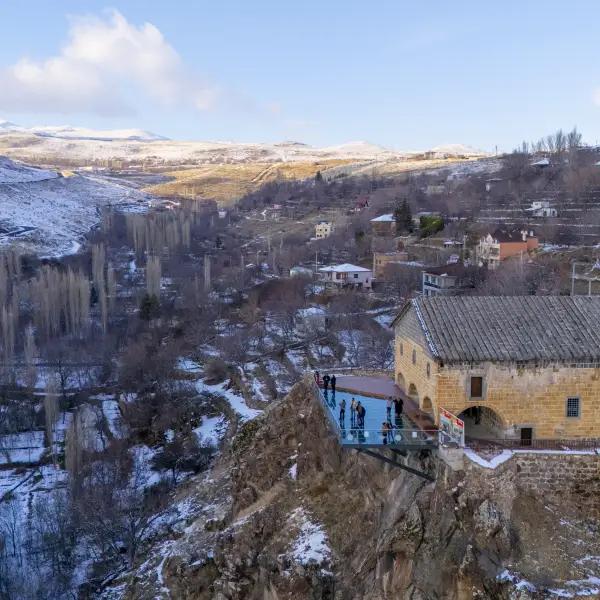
396,464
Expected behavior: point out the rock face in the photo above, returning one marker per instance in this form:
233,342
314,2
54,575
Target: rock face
308,520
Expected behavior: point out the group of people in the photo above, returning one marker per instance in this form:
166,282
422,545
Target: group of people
357,413
358,410
326,381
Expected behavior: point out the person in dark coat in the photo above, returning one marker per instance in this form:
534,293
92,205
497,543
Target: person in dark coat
326,379
317,378
388,408
343,410
398,406
360,413
333,380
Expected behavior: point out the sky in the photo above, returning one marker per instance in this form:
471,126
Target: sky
405,75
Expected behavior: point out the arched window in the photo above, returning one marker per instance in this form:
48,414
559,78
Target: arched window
428,369
401,349
414,357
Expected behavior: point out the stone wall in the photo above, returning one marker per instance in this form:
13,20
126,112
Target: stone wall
558,477
409,339
529,397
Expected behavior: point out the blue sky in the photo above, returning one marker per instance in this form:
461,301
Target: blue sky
406,75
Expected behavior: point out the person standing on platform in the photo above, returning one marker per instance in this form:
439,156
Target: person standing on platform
333,381
326,382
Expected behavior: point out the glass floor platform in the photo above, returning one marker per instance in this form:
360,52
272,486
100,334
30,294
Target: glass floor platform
403,433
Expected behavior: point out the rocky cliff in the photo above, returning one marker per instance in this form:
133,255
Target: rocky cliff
287,514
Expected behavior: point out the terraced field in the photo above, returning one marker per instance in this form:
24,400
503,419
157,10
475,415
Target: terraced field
226,183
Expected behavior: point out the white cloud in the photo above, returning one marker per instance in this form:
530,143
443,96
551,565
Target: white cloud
105,63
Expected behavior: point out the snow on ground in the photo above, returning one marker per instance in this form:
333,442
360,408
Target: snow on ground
188,366
142,471
26,447
212,430
488,464
113,417
311,545
49,215
15,172
293,471
236,401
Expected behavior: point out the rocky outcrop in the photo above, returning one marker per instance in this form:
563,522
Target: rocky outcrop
308,520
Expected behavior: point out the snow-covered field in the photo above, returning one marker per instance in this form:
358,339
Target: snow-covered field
42,212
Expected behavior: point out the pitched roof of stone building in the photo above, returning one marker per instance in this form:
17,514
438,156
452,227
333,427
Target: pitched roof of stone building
510,328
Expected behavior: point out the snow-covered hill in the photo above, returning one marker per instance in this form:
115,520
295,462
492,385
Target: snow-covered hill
44,213
82,147
12,172
81,133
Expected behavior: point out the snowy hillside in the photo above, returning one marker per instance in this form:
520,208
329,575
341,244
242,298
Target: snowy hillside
81,133
47,214
82,146
12,172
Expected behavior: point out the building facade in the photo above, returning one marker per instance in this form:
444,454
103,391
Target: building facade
382,259
323,229
522,367
347,275
438,281
384,225
495,247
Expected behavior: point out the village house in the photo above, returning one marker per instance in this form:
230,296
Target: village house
542,208
446,280
347,275
514,367
495,247
382,259
323,229
384,225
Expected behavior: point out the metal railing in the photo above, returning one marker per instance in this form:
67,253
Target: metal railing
395,436
534,444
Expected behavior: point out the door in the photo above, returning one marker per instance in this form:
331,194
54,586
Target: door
526,436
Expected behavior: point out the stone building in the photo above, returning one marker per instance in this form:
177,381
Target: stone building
382,259
523,367
384,225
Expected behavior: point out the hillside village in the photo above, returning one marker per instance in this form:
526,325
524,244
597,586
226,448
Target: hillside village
166,428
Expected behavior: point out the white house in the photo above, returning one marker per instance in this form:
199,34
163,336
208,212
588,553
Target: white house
347,275
542,208
323,229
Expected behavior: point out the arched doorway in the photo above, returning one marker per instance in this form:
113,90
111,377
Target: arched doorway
482,422
400,381
413,393
427,406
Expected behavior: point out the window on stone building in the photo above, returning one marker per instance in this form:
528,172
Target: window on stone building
573,407
476,387
428,369
414,357
401,349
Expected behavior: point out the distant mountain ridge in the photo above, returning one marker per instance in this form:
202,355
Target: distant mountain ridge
82,133
80,146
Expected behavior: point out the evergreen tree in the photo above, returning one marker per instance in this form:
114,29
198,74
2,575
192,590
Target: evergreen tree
403,217
149,307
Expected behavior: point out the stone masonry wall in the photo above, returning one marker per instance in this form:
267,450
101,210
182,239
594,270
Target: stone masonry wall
558,475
